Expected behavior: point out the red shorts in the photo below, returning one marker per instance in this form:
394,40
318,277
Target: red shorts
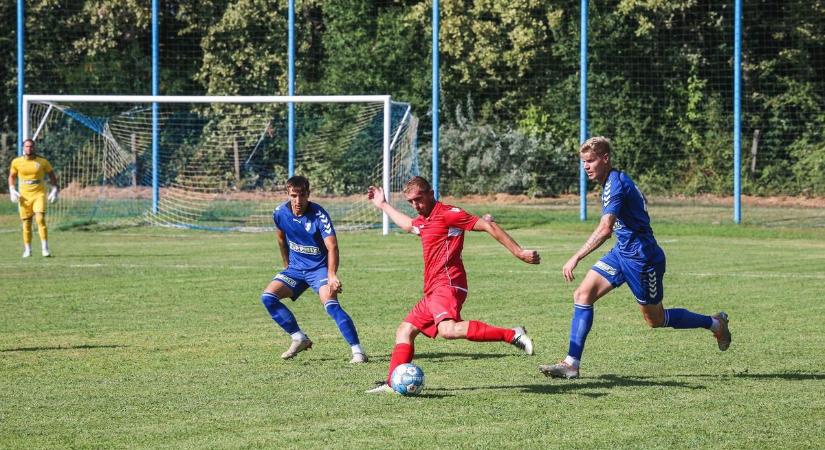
443,303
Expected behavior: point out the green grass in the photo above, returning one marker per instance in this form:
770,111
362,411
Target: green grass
147,338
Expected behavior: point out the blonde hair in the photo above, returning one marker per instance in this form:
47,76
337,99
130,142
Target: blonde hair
599,145
417,182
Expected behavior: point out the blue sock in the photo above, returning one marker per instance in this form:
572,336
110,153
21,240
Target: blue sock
683,319
579,327
280,313
343,320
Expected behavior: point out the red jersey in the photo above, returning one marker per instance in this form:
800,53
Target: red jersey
442,239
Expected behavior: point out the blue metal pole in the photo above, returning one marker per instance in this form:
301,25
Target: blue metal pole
155,107
21,75
583,108
291,87
436,78
737,112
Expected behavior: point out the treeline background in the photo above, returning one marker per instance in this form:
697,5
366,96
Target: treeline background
660,79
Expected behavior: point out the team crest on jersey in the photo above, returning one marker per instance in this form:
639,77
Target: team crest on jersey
307,226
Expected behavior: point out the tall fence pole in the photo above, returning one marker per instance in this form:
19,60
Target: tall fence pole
21,74
583,108
436,82
737,112
155,107
291,88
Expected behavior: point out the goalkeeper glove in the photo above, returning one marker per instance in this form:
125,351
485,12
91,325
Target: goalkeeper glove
13,194
53,195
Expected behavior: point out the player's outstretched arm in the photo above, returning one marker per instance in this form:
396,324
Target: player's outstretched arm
376,196
602,233
498,233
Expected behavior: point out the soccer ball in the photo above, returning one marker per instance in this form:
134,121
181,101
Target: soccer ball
407,379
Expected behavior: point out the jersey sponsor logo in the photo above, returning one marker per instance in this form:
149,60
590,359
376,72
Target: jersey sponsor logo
606,267
286,279
30,181
305,249
453,232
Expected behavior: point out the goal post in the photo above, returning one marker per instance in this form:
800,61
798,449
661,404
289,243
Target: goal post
350,136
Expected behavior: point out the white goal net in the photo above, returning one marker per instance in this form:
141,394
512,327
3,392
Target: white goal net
219,163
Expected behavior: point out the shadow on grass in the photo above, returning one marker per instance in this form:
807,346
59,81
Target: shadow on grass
455,355
61,347
791,376
607,381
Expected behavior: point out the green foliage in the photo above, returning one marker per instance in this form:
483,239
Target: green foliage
659,76
478,159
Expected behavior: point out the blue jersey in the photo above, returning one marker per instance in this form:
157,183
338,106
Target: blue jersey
634,237
305,235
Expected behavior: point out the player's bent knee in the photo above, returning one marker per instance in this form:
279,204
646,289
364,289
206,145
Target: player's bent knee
269,299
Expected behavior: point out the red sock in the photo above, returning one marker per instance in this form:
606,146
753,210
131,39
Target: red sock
401,354
482,332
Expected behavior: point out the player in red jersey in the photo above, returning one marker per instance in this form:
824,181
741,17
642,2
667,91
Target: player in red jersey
441,229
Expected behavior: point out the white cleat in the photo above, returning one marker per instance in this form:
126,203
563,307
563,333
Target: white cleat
46,254
522,341
560,370
27,253
380,388
296,347
359,358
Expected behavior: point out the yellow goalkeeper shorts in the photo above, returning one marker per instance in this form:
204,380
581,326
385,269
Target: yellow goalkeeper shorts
32,204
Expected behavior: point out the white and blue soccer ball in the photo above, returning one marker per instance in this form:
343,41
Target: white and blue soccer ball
407,379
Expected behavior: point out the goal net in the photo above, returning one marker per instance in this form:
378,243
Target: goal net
219,163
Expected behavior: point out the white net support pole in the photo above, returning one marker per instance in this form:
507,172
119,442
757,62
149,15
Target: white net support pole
386,175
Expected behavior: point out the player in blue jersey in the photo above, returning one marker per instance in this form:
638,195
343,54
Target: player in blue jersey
636,259
309,249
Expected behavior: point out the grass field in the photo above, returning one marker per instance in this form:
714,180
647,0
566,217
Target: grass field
156,338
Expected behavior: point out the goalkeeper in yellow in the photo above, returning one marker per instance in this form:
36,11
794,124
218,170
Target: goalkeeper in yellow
31,198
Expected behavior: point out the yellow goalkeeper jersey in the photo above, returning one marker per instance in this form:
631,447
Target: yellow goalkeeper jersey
31,173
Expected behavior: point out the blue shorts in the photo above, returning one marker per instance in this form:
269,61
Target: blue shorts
299,280
645,279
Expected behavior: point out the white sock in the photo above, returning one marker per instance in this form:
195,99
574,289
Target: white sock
571,361
716,324
298,336
357,349
45,246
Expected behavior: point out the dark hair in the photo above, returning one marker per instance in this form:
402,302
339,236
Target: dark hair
29,140
418,182
298,182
